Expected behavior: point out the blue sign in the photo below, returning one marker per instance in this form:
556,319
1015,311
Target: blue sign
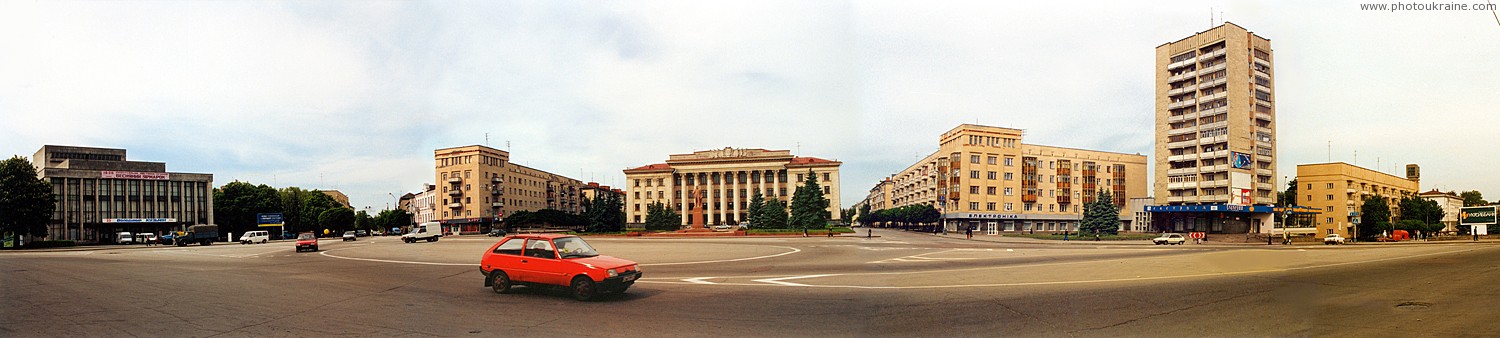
1208,208
1241,160
268,218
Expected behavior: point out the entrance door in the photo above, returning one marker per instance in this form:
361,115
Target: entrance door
992,228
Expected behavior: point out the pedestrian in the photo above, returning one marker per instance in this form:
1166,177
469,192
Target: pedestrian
830,232
969,232
804,232
869,232
1096,237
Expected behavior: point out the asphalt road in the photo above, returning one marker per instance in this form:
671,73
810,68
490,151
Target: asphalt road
901,284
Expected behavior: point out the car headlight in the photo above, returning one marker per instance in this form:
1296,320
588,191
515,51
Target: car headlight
612,273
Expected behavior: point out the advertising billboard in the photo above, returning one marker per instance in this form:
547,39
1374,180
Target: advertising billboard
1239,160
270,219
1477,215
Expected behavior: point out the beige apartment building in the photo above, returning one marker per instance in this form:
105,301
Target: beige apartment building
717,185
985,177
477,186
593,190
1339,190
1215,132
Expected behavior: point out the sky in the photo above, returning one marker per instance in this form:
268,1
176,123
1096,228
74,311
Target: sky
356,95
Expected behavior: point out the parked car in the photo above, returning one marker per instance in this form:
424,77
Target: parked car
145,237
723,227
496,233
555,260
1333,239
361,233
124,238
350,236
258,236
1170,238
307,241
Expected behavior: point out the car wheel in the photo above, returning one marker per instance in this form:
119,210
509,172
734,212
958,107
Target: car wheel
499,281
584,288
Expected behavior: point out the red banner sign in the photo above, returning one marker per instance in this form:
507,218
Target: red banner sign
1198,235
132,175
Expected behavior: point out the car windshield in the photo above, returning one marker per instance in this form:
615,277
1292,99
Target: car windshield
305,236
569,247
348,232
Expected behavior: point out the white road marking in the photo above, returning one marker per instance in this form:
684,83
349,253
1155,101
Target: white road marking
794,250
922,257
699,280
780,280
325,254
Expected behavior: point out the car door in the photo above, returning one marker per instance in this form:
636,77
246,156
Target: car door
507,256
541,263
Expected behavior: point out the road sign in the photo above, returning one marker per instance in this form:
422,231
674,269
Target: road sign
1198,235
1477,215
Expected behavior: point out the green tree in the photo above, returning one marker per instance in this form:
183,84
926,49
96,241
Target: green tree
605,213
659,217
864,211
26,201
773,215
755,215
1374,217
1100,216
1286,198
1473,198
362,221
237,203
336,219
1422,210
809,207
846,216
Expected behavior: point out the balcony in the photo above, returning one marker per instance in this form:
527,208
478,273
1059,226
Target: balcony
1213,68
1214,96
1180,104
1264,186
497,192
455,205
1182,171
1182,185
497,180
1212,55
1028,198
1183,117
1180,90
1350,191
1184,76
1184,63
1214,184
1215,154
455,180
497,205
1220,124
1214,82
1183,157
1264,172
1181,144
1212,140
1182,131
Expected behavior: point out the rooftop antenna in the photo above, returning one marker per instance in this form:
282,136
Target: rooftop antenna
1330,151
486,139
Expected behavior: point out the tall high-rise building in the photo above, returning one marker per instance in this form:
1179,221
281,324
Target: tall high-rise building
1215,132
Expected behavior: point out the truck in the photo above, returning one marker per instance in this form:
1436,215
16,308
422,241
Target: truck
203,234
429,231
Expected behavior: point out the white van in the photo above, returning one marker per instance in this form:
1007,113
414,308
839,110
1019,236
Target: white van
251,237
429,231
124,238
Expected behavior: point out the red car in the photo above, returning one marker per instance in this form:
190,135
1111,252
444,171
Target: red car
307,241
557,260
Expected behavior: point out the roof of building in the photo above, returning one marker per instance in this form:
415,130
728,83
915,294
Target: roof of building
649,168
811,161
1435,192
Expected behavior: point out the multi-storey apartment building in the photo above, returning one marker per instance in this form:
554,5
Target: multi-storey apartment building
717,185
100,193
880,195
1338,191
477,186
985,177
594,190
1215,132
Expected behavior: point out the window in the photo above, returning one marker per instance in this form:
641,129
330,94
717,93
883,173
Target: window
1009,191
989,206
1010,161
973,174
1009,206
973,205
973,189
1330,186
991,191
1330,197
539,248
826,190
974,159
637,207
825,177
991,175
1009,176
511,247
991,159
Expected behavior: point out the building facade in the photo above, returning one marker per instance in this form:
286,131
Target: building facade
1338,190
1451,204
985,177
478,186
338,196
423,204
714,187
99,192
1215,133
1134,217
593,190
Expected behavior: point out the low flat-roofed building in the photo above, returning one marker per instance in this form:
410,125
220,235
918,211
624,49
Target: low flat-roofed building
100,193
